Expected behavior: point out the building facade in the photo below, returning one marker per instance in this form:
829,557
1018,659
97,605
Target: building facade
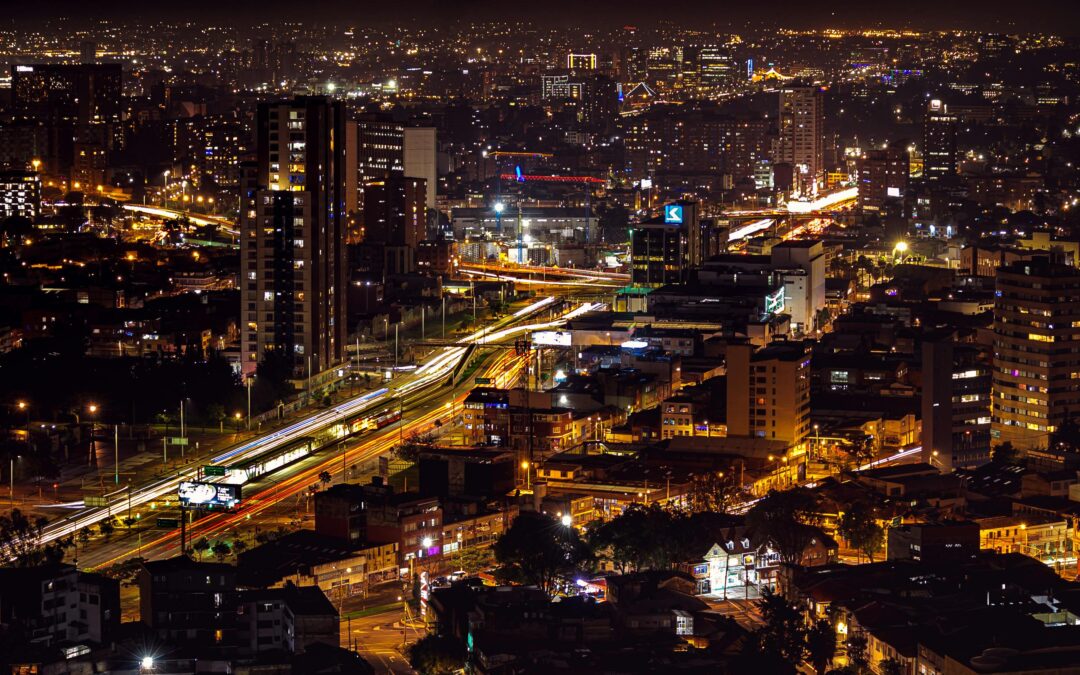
1036,379
292,241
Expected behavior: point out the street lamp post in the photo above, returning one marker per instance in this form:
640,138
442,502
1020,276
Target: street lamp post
92,408
528,477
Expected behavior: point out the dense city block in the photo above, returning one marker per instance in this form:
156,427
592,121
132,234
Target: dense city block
490,345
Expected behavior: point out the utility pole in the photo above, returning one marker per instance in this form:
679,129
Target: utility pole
116,454
396,325
444,316
182,434
249,379
183,530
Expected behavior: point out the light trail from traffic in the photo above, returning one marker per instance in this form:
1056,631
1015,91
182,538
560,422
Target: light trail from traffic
173,214
425,376
272,494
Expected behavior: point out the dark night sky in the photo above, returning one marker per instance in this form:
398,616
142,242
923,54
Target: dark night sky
1061,16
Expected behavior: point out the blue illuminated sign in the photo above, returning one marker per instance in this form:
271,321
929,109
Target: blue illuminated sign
673,214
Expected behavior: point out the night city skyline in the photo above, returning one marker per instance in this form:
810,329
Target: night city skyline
495,339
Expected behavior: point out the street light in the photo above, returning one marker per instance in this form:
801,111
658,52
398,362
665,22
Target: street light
25,407
528,478
92,409
567,520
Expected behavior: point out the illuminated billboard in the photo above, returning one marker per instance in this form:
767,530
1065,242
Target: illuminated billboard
208,495
774,302
673,214
551,338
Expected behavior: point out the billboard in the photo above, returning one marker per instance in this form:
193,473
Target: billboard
673,214
551,338
208,495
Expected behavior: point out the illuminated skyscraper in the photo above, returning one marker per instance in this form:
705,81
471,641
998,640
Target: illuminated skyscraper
802,135
939,142
1036,379
293,239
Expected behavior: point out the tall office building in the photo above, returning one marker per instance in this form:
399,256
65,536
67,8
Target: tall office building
292,243
395,219
883,178
380,148
802,135
419,151
768,391
715,67
664,250
380,154
955,403
939,142
1036,380
600,103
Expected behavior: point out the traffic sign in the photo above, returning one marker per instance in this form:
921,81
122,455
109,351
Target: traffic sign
168,523
483,380
95,500
209,470
178,440
673,213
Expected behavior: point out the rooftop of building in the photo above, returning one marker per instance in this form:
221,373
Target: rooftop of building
302,600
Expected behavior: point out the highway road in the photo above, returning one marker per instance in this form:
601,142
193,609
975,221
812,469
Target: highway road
424,398
430,374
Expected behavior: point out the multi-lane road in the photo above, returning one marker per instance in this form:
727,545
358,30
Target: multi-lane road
422,395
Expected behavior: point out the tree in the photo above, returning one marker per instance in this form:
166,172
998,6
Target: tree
239,546
413,445
713,492
107,527
325,477
821,645
437,655
784,633
1005,453
642,537
216,412
858,655
22,545
474,559
201,546
539,550
891,667
859,526
165,417
783,519
221,550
